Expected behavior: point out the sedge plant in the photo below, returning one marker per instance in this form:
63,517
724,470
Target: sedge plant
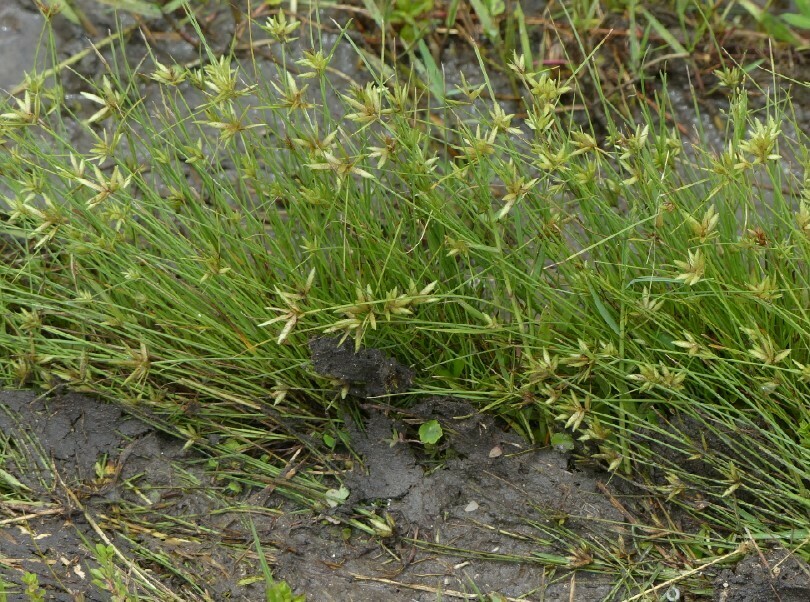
619,283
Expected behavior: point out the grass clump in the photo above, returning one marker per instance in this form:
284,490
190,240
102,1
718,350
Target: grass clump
636,291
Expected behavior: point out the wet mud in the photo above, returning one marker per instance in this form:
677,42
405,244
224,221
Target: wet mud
91,475
89,468
771,575
19,35
364,373
481,515
474,524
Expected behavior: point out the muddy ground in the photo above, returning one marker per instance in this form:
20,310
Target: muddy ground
476,502
482,522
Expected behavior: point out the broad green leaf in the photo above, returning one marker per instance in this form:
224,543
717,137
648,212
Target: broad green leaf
800,21
335,497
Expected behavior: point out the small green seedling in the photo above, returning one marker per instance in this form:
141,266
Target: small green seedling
335,497
562,442
430,432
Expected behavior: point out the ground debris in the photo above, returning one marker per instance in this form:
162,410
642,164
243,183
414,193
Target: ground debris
775,574
367,372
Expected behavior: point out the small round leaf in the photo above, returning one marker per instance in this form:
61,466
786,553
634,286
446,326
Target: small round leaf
430,432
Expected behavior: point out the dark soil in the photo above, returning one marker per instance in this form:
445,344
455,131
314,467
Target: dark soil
152,489
773,575
479,518
52,445
364,372
484,511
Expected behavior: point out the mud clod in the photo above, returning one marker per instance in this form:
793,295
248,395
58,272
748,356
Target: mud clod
367,372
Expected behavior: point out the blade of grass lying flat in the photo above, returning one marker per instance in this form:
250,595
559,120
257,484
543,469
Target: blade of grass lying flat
652,279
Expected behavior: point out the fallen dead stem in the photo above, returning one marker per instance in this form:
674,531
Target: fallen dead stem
30,516
156,586
426,588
